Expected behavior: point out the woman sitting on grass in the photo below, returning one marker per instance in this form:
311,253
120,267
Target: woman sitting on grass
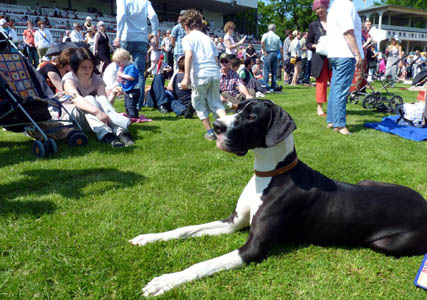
92,108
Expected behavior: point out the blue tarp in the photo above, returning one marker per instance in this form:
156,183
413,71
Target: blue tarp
389,125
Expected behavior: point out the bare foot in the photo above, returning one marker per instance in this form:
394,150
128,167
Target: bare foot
342,130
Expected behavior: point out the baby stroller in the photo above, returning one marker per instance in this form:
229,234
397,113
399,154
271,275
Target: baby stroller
380,99
23,107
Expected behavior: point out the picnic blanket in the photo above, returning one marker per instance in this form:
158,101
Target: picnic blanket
389,125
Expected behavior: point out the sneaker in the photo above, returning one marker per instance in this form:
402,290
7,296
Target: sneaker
143,119
189,112
163,109
112,139
126,139
210,136
259,95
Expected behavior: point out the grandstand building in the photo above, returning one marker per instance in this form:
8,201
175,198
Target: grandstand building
409,24
214,12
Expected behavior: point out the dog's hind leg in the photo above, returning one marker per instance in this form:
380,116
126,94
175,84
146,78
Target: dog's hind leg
403,244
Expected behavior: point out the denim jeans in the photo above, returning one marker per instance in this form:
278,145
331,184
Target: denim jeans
138,50
270,66
131,101
342,75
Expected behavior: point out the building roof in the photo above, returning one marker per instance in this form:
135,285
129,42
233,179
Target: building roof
222,6
394,10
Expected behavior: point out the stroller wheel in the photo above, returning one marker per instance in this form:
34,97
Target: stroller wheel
395,101
51,146
77,138
39,149
370,102
351,97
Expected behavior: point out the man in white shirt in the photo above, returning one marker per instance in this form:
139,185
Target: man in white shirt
132,34
344,37
271,44
42,39
76,35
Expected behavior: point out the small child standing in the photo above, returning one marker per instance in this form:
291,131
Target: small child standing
127,76
202,66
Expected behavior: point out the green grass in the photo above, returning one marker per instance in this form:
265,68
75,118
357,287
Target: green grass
65,221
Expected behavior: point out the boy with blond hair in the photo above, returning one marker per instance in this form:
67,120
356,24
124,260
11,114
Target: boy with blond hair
202,66
127,76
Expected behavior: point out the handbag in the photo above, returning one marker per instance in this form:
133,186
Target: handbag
322,46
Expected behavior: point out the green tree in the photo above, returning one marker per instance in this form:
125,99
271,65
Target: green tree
286,15
422,4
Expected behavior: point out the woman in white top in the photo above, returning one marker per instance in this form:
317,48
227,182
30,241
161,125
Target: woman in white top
90,37
394,54
155,52
295,49
231,46
42,39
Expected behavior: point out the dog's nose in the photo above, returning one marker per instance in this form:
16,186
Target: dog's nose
219,127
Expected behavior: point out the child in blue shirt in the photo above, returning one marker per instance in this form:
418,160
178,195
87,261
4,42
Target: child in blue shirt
127,76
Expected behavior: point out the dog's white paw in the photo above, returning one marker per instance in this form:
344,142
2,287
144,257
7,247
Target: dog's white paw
144,239
162,284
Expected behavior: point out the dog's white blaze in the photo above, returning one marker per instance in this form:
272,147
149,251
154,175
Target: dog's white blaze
228,120
166,282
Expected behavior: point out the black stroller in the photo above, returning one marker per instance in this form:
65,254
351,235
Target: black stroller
381,99
24,107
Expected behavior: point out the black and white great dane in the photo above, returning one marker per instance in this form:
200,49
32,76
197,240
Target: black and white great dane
288,201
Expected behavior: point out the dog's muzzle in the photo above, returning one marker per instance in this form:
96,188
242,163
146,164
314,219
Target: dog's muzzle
220,128
222,142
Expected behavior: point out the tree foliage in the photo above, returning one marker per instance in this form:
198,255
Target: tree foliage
422,4
286,15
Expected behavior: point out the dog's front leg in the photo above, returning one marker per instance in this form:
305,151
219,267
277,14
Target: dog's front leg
166,282
212,228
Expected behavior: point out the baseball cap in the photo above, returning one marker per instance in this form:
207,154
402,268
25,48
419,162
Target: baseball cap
224,58
2,22
88,18
100,23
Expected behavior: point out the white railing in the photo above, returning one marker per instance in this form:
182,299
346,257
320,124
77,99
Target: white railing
407,35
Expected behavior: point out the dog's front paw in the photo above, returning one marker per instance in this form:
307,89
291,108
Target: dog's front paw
162,284
144,239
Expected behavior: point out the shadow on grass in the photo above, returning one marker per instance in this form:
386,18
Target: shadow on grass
68,183
369,116
16,152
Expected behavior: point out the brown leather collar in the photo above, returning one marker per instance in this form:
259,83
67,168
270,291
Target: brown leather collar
277,171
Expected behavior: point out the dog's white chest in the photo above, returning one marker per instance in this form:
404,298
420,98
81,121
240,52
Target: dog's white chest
251,196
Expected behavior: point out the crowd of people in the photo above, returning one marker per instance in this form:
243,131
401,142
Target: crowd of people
208,73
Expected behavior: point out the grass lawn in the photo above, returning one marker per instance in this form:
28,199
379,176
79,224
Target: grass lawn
65,221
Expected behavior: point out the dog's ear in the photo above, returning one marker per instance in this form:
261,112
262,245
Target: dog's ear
280,126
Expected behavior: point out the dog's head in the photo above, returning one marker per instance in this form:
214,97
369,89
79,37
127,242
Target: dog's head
256,124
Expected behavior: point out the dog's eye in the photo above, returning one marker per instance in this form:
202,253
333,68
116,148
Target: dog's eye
251,117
